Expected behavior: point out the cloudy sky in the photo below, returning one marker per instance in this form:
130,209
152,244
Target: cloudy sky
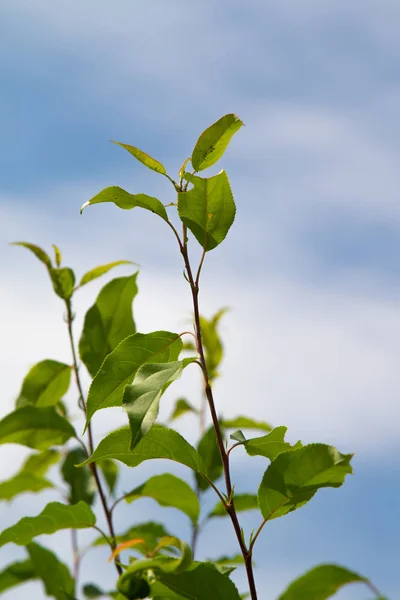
310,268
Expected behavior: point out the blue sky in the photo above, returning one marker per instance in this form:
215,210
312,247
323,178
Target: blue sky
309,268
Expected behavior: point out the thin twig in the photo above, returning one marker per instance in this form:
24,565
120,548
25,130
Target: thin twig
92,466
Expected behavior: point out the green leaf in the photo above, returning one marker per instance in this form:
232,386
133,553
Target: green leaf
212,342
141,399
121,365
54,517
209,452
38,464
243,502
90,590
236,559
57,255
202,582
238,436
38,252
245,423
127,201
37,428
54,574
108,322
213,142
160,442
208,209
182,407
320,583
169,490
63,282
293,478
101,270
144,158
110,470
22,483
126,584
151,532
15,574
82,485
270,445
45,384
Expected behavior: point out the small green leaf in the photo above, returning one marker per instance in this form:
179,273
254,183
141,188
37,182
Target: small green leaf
90,590
37,428
243,502
141,399
121,365
236,559
63,282
202,582
320,583
82,485
15,574
127,201
110,470
38,464
102,270
212,342
150,532
245,423
54,517
160,442
169,490
209,452
238,436
182,407
57,255
162,564
213,142
270,445
293,478
108,321
54,574
208,209
22,483
144,158
45,384
38,252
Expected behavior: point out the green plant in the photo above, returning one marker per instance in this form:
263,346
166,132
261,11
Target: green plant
132,370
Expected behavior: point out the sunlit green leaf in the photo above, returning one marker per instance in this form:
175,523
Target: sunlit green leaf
108,321
54,517
169,490
243,502
160,442
110,470
293,478
57,255
126,201
201,582
209,452
150,532
212,342
22,483
38,252
63,282
320,583
245,423
208,209
144,158
101,270
37,428
269,445
55,575
38,464
213,142
235,559
81,483
15,574
120,367
141,399
45,384
182,407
